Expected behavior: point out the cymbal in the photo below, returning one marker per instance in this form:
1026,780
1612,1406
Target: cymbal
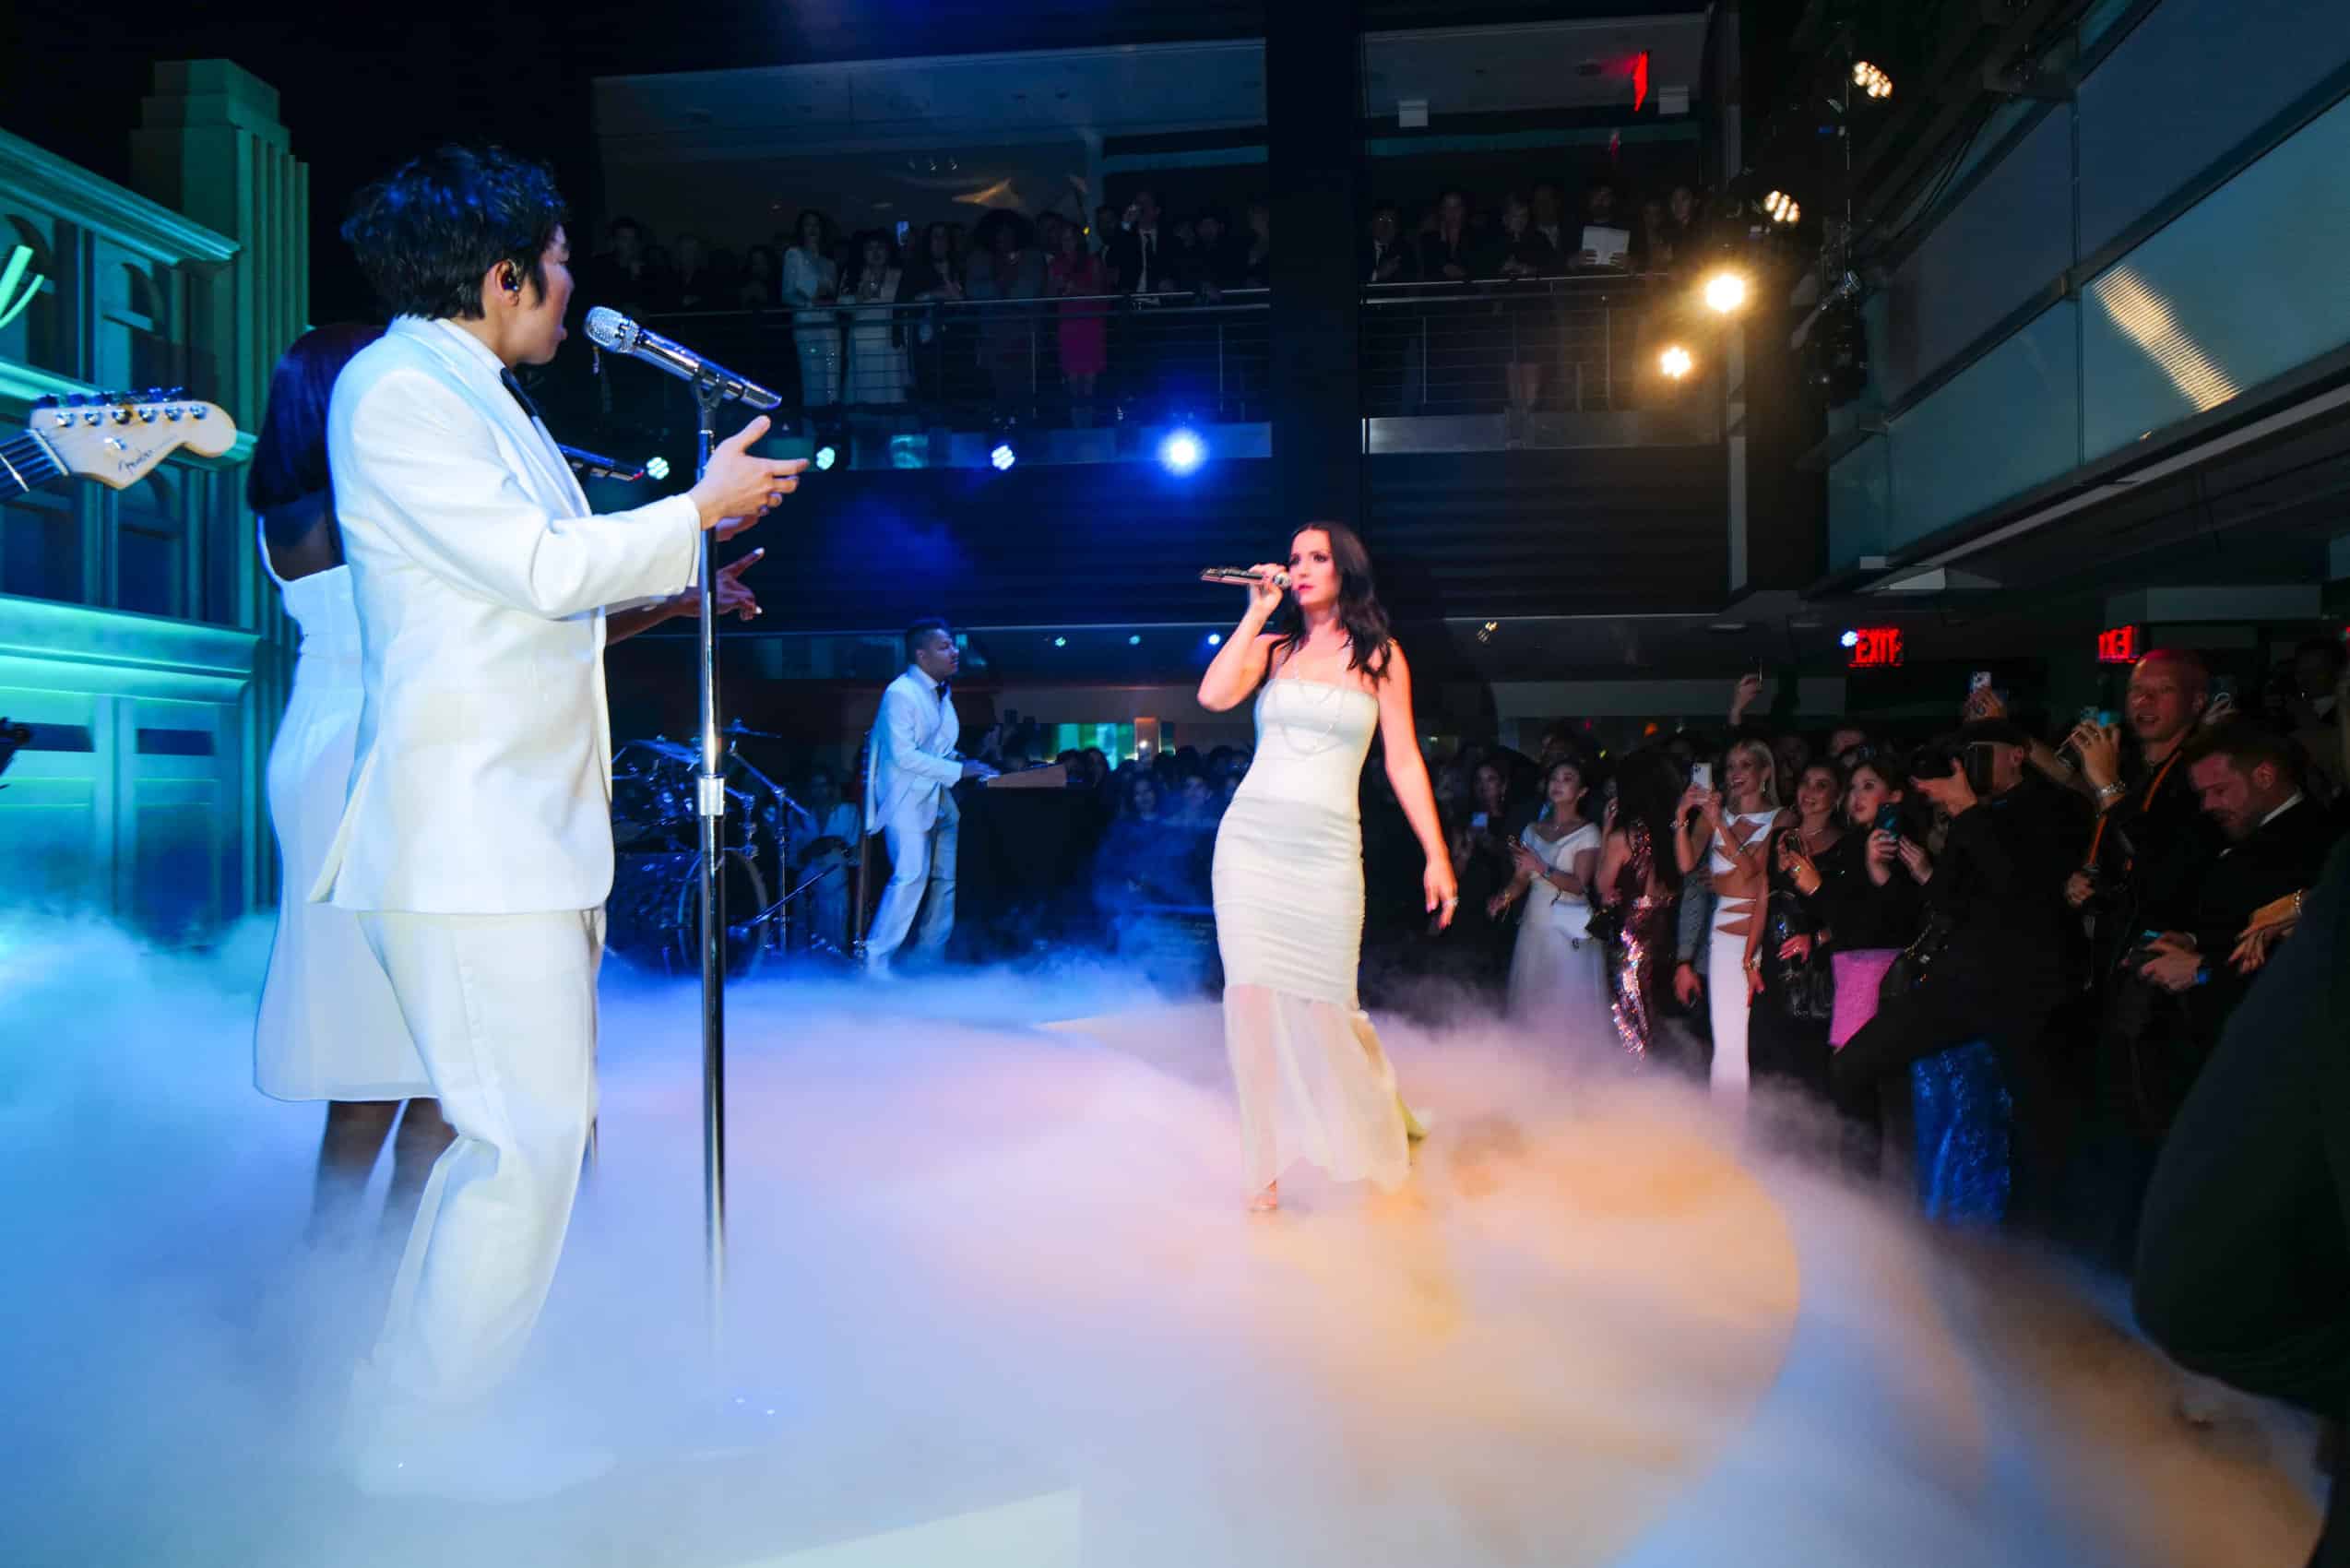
739,728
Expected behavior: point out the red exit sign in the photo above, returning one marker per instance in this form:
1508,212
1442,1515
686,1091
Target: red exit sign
1874,647
2118,645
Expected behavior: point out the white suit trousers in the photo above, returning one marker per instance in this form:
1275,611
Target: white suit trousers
503,1010
919,859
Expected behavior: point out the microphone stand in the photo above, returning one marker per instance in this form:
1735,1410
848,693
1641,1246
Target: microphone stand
710,806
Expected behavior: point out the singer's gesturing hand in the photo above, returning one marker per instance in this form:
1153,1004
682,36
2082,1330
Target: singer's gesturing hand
738,487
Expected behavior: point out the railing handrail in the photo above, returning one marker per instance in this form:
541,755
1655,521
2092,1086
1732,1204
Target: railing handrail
1184,299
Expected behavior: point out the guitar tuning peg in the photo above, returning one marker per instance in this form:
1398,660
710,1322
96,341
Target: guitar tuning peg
45,402
176,394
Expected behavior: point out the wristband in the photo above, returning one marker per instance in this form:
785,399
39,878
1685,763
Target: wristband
2111,792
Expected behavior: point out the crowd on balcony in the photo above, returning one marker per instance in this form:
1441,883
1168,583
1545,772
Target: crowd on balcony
876,324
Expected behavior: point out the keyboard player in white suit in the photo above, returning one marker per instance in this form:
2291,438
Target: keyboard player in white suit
476,840
913,765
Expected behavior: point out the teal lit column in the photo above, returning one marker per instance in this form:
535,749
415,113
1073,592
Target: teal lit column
210,144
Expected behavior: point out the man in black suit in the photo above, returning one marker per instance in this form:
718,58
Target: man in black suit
1147,260
2249,782
2171,998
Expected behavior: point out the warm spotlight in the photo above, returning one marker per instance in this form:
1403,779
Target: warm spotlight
1676,362
1871,80
1782,207
1725,292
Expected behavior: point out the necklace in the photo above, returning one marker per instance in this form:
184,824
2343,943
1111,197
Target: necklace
1325,699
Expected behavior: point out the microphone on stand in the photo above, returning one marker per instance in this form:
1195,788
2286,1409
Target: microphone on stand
592,465
607,328
1243,575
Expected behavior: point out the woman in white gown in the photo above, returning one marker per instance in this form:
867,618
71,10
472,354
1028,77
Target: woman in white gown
1555,974
1735,843
329,1028
1287,875
876,355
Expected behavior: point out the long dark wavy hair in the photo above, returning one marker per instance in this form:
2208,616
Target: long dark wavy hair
1359,611
1648,789
290,454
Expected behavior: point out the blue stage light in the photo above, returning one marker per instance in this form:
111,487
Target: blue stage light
1061,642
1134,641
826,455
657,467
1215,639
1181,451
1851,640
1003,456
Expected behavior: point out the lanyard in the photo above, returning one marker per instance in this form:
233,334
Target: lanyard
2145,801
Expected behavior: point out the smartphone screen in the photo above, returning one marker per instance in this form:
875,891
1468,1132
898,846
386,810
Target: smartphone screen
1701,775
1889,819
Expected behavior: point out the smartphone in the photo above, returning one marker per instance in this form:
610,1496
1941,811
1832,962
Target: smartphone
1978,682
905,232
1701,775
1889,819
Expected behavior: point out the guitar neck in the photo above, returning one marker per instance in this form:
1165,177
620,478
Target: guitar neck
26,465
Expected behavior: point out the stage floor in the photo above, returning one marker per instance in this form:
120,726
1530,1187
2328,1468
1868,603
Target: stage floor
991,1269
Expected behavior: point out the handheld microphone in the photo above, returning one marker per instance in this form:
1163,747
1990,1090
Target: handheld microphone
1241,575
591,465
607,328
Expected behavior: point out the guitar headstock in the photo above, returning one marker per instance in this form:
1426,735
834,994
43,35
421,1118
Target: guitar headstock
116,437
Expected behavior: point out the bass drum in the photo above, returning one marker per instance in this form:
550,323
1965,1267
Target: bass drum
652,919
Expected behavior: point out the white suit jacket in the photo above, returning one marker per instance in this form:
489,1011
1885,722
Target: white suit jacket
481,783
912,742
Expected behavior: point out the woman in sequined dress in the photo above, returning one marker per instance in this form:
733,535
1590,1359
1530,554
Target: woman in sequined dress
1639,884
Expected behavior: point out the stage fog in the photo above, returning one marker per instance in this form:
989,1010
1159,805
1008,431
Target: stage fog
990,1255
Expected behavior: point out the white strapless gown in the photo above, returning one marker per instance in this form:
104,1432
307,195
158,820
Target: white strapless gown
329,1028
1313,1083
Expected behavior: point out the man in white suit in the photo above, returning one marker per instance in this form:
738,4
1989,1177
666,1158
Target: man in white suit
476,841
913,766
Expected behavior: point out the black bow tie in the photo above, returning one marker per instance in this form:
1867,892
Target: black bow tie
941,689
514,384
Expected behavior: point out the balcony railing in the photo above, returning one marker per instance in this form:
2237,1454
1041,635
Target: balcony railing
1441,348
1448,348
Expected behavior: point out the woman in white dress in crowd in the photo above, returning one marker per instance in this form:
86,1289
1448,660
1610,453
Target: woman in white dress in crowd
1555,974
1287,875
329,1029
812,290
1737,844
876,338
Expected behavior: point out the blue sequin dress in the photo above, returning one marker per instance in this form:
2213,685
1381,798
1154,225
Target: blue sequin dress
1961,1105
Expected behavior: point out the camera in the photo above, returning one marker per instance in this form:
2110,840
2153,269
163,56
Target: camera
1940,759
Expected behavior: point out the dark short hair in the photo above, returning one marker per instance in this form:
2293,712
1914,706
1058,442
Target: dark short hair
290,454
921,629
2246,745
427,233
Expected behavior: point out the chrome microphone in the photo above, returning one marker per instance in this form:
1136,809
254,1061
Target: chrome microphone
607,328
1279,579
593,465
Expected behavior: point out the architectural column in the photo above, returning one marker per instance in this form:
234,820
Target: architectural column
210,142
1313,110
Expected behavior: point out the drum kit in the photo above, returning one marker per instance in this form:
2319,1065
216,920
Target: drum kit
650,920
